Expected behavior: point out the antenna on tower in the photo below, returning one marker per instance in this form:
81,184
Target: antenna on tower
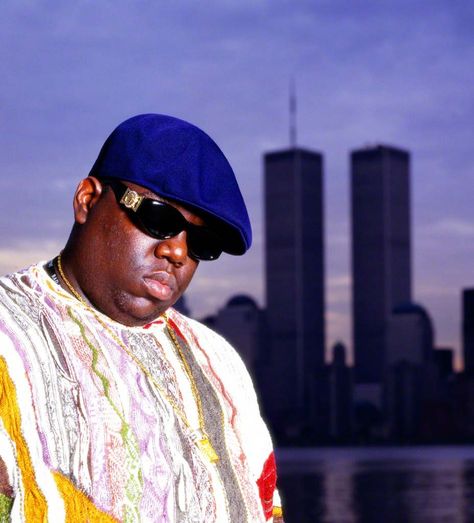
292,113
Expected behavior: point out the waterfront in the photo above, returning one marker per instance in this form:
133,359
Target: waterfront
378,484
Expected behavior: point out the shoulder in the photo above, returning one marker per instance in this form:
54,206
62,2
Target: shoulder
220,354
209,340
23,301
222,364
19,293
22,282
204,332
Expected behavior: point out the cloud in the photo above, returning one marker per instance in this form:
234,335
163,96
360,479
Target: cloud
15,258
342,280
451,227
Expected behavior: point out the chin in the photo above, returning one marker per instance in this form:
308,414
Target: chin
139,311
142,317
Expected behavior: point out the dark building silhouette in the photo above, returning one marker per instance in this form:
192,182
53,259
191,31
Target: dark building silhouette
409,373
410,335
241,323
341,398
381,251
294,268
443,360
468,330
465,390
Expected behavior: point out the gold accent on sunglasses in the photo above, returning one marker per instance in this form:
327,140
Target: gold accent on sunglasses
131,200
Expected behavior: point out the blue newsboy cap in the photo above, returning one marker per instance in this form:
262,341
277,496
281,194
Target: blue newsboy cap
180,162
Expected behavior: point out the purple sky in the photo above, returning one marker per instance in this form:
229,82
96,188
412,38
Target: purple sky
399,73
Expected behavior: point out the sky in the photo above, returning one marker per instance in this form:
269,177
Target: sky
366,72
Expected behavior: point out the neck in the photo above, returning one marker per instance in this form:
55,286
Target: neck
68,281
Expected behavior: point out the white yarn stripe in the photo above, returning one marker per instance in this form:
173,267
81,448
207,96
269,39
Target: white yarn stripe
41,364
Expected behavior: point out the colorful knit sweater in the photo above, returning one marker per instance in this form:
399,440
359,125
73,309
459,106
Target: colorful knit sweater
85,435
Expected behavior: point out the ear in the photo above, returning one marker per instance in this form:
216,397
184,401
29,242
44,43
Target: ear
86,196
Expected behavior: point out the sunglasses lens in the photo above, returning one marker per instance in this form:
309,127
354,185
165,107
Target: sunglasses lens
160,219
163,221
203,243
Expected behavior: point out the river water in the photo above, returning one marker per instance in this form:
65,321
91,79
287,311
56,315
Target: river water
377,484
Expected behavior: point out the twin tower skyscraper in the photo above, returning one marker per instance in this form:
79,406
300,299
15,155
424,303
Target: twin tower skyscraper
295,273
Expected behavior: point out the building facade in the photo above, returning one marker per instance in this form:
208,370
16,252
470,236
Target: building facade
409,370
381,251
294,269
468,330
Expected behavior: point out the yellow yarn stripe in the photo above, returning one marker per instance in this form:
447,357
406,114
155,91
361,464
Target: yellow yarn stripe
277,512
78,506
35,507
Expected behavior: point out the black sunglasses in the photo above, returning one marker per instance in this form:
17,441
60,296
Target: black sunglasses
162,221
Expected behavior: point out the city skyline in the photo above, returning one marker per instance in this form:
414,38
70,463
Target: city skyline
395,74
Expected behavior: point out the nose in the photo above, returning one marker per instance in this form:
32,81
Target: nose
174,249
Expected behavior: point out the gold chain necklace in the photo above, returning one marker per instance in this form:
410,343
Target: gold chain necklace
198,436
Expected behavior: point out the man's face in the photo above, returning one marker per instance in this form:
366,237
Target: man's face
125,273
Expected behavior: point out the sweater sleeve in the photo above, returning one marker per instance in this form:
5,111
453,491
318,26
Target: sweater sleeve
253,432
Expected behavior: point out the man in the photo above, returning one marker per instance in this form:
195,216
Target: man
113,406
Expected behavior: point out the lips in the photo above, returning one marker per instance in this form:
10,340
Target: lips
160,285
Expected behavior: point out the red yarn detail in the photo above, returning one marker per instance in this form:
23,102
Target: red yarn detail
176,329
266,485
156,322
